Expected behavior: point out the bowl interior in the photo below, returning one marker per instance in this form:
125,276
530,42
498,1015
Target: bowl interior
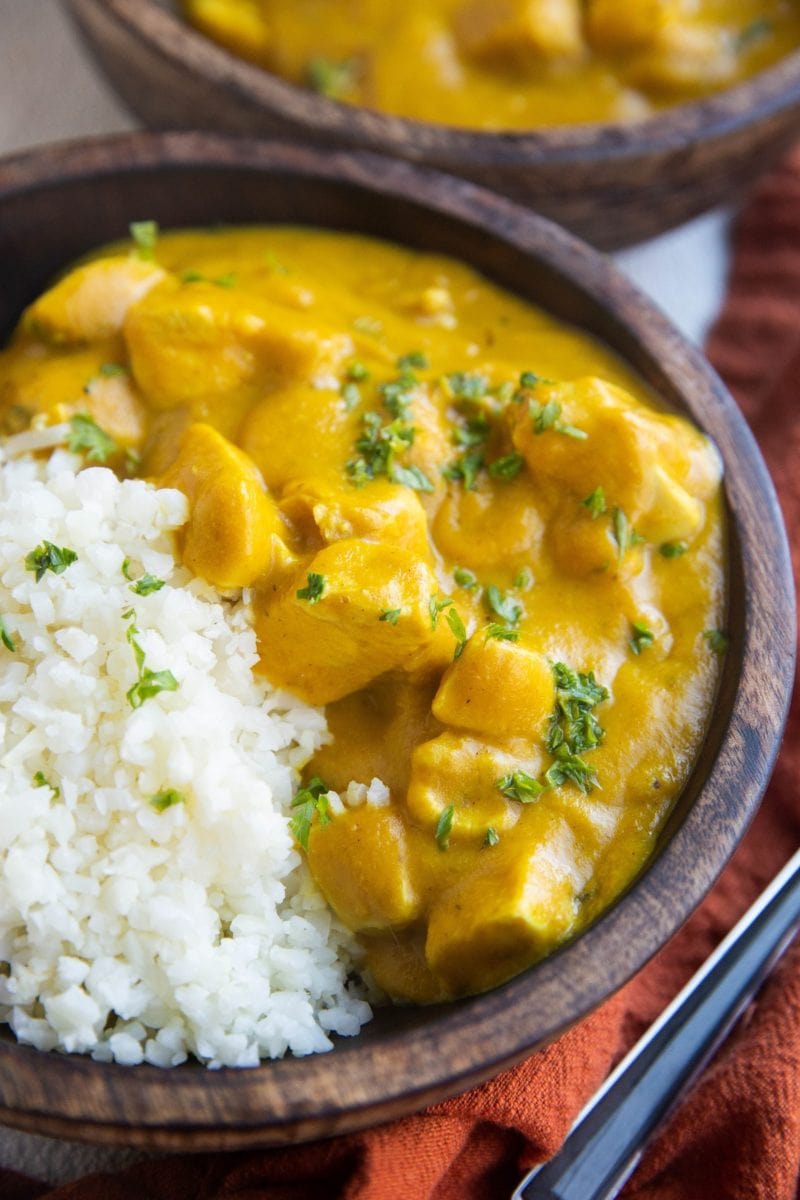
59,203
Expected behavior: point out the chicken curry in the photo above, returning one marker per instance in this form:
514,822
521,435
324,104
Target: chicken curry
507,64
467,531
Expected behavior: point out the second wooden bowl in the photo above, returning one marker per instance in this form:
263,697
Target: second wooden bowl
57,204
612,184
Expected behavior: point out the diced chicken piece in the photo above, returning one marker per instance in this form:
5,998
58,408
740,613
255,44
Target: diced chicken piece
364,610
241,25
520,906
361,863
91,303
503,32
464,771
199,341
383,511
491,526
613,26
686,57
656,468
234,533
497,689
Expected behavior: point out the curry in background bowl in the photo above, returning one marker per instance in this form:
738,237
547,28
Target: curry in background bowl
370,474
610,179
506,64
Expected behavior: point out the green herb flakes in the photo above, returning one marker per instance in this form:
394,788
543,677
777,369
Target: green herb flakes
111,370
330,78
310,801
524,579
6,638
504,606
412,477
415,359
672,549
314,590
40,781
507,467
595,502
357,372
500,633
492,837
435,607
465,579
520,786
573,728
641,637
166,799
458,631
625,535
466,469
147,585
444,827
145,239
390,615
717,640
150,683
48,557
464,386
86,437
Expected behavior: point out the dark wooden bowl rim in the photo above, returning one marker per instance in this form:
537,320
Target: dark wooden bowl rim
761,97
429,1054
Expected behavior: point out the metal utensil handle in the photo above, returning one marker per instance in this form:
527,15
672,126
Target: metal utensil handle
608,1137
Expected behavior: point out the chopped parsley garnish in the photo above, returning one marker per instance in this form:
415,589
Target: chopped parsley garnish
165,799
330,78
48,557
310,800
466,467
571,767
444,827
150,683
504,606
221,281
464,386
465,579
86,437
755,32
500,633
673,549
313,592
595,502
416,359
624,534
6,638
492,837
412,477
545,417
641,638
40,781
507,467
574,729
145,239
390,615
351,395
435,607
357,372
473,432
111,370
519,785
524,579
147,585
458,631
717,640
379,443
398,394
126,569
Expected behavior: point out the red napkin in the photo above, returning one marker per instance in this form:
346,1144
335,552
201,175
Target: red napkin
737,1135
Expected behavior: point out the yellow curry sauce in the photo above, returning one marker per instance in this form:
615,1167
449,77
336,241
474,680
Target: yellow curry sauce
468,533
507,64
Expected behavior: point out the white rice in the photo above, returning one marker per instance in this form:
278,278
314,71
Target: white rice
125,932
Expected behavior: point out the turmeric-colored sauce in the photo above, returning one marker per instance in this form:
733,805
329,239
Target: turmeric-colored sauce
507,64
469,533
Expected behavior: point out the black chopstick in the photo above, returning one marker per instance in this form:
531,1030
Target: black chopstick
609,1135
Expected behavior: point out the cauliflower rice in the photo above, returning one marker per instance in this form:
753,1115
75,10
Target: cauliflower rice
132,930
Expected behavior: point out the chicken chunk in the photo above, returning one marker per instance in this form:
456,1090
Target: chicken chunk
234,533
383,511
487,669
518,908
361,863
91,303
503,32
358,610
197,341
614,27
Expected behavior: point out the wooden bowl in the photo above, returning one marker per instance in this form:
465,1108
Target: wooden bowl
56,204
613,184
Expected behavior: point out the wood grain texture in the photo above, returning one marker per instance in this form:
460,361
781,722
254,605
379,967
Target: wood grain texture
613,184
57,204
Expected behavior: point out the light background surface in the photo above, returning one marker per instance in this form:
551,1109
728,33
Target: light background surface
50,91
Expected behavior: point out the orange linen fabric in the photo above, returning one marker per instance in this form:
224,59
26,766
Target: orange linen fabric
737,1136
